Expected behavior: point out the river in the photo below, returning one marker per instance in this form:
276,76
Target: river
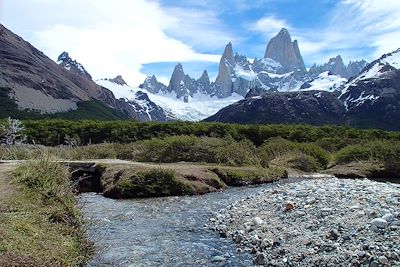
166,231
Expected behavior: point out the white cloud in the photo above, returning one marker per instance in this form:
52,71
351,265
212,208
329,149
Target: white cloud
269,25
111,37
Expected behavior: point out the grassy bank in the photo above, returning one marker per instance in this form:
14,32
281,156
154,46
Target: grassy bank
39,223
315,156
155,180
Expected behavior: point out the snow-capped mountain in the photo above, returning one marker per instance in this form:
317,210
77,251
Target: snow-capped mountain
145,109
369,100
281,69
72,65
376,80
200,107
324,82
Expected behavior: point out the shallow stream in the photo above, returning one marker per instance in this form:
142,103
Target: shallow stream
162,231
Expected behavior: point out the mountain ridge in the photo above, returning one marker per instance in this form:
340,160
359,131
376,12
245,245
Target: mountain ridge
369,100
281,69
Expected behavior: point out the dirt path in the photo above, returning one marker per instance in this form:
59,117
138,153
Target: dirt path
7,189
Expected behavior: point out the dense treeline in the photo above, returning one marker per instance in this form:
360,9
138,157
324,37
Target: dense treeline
56,132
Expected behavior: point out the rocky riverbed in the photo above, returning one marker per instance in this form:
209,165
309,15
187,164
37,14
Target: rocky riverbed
317,222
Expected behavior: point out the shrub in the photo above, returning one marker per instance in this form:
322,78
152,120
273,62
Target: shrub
196,149
383,151
279,147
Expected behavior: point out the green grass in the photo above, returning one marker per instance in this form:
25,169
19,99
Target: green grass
154,182
43,225
246,176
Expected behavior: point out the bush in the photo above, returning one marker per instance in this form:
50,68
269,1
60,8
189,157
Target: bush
196,149
278,147
383,151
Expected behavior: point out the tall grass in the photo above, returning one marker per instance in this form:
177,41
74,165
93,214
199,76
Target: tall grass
44,226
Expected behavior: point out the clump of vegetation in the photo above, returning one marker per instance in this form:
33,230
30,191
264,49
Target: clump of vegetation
143,183
43,226
246,176
276,148
385,152
375,150
53,132
196,149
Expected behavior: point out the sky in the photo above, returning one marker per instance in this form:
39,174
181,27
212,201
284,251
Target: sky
136,38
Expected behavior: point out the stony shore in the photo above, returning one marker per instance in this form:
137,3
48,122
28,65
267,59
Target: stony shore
317,222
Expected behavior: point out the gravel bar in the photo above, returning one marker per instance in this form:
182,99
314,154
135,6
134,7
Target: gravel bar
317,222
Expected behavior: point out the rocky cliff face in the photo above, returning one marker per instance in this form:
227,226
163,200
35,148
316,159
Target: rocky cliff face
223,82
118,80
36,83
72,65
281,49
355,67
371,99
336,66
309,107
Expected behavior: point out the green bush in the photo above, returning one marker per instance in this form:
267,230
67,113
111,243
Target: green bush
196,149
383,151
278,147
304,163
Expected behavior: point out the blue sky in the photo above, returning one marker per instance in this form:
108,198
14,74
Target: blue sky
136,38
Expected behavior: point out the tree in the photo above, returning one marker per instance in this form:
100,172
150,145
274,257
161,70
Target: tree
12,132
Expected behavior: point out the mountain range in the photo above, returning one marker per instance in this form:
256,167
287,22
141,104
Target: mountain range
281,69
277,88
369,99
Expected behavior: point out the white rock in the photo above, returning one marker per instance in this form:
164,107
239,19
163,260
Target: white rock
379,223
388,217
257,221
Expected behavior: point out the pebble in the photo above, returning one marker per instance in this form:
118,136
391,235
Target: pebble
325,222
388,217
383,260
379,223
219,258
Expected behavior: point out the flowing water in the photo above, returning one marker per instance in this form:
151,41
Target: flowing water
166,231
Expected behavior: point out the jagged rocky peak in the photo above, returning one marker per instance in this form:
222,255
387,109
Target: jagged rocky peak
177,78
355,67
336,66
152,85
66,61
281,49
205,84
118,80
183,85
223,82
228,54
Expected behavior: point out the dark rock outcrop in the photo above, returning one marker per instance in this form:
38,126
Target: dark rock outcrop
68,63
311,107
118,80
